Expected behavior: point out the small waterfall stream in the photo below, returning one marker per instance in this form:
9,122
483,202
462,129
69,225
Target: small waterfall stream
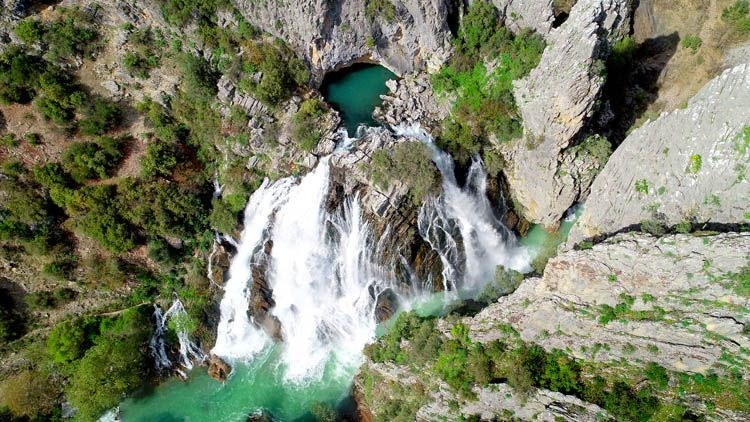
189,351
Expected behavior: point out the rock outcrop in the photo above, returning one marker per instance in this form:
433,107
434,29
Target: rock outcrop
689,165
679,301
218,369
556,100
538,15
674,300
411,100
411,34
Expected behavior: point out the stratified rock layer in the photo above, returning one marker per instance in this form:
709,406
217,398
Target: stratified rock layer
685,312
689,165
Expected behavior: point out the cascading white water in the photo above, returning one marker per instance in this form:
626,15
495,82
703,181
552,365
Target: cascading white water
325,269
189,351
237,338
324,278
461,226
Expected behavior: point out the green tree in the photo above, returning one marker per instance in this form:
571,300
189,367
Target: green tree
67,341
116,365
409,162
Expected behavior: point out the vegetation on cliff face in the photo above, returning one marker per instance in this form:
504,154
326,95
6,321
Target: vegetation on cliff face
486,61
410,163
626,392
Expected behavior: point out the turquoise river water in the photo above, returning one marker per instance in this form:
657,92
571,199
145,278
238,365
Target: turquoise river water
356,92
260,384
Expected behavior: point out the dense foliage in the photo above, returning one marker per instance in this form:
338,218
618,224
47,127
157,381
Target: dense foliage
271,72
486,61
71,34
738,16
464,364
410,163
306,124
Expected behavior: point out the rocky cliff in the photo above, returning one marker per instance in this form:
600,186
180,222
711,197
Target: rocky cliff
556,101
687,166
402,35
677,302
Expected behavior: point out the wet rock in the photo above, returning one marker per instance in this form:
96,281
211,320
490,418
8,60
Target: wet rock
385,306
218,369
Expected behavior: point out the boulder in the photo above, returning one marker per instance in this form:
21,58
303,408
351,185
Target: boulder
218,369
688,165
556,100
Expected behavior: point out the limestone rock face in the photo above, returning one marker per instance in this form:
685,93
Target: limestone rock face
684,310
687,165
334,33
555,100
412,100
533,14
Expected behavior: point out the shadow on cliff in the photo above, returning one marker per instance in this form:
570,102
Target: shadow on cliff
633,73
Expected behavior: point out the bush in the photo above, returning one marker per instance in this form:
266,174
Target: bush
96,213
114,366
281,72
738,16
29,31
89,160
160,159
409,162
164,209
30,393
380,8
222,217
306,123
67,342
657,375
19,73
692,42
100,116
72,34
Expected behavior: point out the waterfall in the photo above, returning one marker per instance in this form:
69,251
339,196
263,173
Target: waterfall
189,351
323,273
325,269
461,226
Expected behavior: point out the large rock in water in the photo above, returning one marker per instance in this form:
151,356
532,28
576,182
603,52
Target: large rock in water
334,33
218,369
690,164
556,100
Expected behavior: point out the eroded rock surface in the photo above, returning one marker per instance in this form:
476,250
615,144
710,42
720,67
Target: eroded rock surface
684,309
556,100
331,34
689,165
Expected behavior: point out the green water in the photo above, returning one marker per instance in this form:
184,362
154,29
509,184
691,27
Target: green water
355,92
259,384
251,387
